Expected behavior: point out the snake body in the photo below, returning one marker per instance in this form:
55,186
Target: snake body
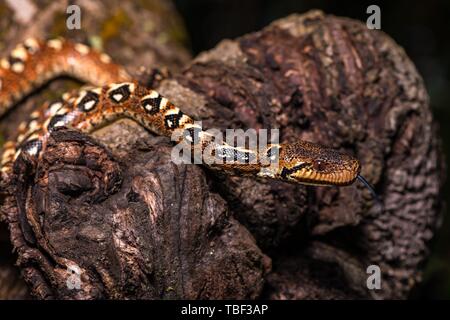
115,95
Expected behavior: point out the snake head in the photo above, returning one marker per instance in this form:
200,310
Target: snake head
309,163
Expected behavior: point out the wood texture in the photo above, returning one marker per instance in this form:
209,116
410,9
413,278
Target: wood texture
141,227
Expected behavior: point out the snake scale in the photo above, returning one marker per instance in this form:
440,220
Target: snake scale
114,95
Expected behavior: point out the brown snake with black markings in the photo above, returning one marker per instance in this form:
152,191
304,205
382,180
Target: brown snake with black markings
117,96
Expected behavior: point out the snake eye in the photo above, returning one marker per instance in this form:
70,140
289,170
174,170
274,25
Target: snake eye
318,165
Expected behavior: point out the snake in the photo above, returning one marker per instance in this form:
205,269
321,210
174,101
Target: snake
112,94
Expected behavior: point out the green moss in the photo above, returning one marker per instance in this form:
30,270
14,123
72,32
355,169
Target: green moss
113,26
153,6
177,33
59,26
67,85
5,16
3,9
175,30
2,140
96,42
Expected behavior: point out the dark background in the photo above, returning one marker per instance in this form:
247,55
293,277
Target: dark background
422,28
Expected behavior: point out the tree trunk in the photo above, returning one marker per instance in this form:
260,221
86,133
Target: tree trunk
113,208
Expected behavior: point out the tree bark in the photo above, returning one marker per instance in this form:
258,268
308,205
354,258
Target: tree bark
114,207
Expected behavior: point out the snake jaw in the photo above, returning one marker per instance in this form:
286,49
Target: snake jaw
313,177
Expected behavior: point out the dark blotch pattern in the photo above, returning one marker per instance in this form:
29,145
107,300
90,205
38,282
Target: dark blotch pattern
90,96
12,60
193,133
151,105
287,172
124,91
172,121
30,144
54,121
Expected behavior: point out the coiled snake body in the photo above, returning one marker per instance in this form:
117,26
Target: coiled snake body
117,96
